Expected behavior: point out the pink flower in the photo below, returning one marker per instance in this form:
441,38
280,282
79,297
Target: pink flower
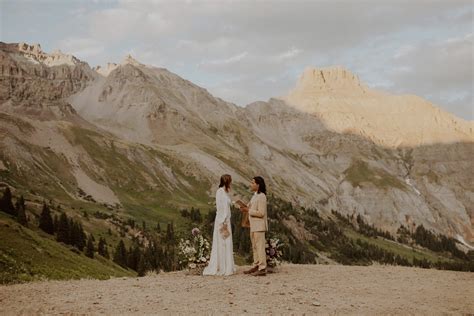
195,231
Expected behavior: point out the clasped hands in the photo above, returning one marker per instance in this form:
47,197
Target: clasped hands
243,207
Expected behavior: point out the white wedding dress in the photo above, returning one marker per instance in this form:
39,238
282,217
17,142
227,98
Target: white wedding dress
222,254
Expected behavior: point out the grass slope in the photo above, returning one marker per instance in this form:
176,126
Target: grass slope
28,255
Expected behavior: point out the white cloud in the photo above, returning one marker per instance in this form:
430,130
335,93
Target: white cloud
403,46
226,61
289,54
82,48
441,70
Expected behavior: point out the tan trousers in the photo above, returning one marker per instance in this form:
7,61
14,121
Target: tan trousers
258,249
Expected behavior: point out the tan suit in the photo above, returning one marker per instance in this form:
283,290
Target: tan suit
258,226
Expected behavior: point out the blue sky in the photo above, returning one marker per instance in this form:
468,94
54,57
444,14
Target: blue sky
244,51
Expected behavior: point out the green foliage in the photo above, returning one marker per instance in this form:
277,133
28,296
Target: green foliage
69,231
194,215
46,221
359,173
21,212
63,229
28,254
90,247
102,248
6,204
437,243
120,254
170,236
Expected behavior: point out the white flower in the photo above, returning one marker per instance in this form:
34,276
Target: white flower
192,265
203,259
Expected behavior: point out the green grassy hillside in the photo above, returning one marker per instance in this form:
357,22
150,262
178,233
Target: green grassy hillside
29,254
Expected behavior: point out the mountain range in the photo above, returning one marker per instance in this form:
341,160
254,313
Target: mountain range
143,141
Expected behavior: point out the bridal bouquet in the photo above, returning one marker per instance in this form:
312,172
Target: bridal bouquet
194,252
273,251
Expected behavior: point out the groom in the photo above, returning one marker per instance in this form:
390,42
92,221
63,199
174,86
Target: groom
257,209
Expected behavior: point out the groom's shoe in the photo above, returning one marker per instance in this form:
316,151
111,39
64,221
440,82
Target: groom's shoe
254,269
262,272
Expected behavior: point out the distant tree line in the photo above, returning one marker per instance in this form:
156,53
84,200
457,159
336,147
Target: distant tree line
194,215
158,254
328,236
18,211
437,243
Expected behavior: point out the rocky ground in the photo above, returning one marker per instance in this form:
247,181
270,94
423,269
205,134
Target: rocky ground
294,289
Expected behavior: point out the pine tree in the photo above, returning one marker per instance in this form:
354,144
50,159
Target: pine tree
142,266
63,233
90,247
158,228
46,221
81,237
56,223
6,204
120,254
106,252
198,216
170,233
71,231
133,257
21,212
151,256
101,247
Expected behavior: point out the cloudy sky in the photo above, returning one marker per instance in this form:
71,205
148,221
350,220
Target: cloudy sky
244,51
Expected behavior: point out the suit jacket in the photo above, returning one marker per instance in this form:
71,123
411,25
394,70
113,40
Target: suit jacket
258,213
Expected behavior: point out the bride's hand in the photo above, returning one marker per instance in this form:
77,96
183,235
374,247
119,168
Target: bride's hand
223,227
224,231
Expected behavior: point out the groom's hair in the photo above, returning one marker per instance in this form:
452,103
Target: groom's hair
226,179
262,188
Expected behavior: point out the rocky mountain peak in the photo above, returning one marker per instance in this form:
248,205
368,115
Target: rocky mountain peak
35,54
106,70
334,79
129,60
34,49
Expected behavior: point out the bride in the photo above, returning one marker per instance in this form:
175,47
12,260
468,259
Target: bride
222,255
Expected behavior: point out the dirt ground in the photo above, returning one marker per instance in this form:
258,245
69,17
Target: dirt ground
294,289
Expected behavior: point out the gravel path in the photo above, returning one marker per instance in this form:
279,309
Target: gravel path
295,289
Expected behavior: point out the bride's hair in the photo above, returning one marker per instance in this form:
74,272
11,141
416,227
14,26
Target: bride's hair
226,179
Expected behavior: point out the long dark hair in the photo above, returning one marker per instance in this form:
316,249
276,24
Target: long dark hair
262,188
226,180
